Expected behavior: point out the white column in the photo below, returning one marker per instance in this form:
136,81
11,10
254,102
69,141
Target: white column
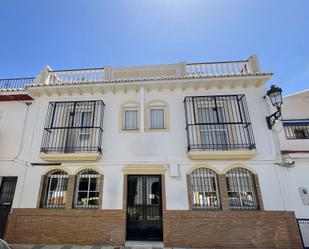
142,101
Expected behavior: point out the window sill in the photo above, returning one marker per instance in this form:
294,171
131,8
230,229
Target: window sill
71,157
157,130
238,154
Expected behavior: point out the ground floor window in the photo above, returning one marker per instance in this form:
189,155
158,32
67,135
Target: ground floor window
87,189
55,189
241,189
204,189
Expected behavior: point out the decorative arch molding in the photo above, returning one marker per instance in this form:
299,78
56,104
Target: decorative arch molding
50,169
206,166
83,168
238,165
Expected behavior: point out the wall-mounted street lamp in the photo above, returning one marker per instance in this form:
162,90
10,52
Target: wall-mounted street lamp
275,96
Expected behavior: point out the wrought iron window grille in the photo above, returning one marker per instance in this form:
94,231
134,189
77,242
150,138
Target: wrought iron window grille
87,189
55,189
241,190
73,127
204,190
219,122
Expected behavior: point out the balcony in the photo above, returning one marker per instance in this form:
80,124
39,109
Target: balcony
73,131
296,128
13,89
218,127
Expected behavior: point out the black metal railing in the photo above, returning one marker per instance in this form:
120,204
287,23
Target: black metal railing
296,128
15,83
73,127
218,123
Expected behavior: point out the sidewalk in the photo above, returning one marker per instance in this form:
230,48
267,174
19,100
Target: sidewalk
23,246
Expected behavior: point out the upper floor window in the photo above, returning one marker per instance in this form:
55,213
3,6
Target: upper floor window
156,115
241,189
204,189
55,189
73,126
87,189
130,116
296,128
218,123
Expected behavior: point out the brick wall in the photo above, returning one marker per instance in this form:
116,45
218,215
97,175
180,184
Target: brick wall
231,229
60,226
196,229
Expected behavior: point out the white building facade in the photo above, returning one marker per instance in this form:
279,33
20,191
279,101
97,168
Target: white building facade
178,153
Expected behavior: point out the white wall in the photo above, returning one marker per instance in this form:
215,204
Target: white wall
119,148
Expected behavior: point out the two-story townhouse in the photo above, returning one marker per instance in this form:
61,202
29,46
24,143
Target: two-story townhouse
293,137
176,153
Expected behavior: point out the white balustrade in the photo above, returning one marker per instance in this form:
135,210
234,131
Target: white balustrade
76,76
220,68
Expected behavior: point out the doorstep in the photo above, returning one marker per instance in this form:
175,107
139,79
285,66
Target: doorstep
143,244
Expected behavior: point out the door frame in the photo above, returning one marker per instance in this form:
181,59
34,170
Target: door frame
125,196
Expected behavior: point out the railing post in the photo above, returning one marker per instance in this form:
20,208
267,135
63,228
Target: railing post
253,64
44,77
181,69
108,73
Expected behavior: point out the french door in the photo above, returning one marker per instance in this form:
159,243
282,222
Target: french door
144,208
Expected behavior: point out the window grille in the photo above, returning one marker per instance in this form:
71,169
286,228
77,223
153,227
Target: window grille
296,128
218,123
73,127
241,189
55,192
204,189
87,189
156,118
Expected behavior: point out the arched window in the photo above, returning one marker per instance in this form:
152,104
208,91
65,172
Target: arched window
55,189
241,189
87,189
204,189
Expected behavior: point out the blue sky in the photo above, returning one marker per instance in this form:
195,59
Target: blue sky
95,33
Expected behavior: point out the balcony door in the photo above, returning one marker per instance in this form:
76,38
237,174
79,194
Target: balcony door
78,135
212,134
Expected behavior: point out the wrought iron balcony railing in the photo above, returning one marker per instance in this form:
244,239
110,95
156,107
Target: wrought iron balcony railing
73,127
218,123
296,128
15,83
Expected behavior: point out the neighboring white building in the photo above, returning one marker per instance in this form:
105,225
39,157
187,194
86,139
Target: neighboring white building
178,153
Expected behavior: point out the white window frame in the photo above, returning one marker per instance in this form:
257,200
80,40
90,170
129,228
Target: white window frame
84,174
157,107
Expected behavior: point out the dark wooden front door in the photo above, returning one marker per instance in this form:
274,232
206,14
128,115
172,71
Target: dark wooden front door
7,190
144,210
